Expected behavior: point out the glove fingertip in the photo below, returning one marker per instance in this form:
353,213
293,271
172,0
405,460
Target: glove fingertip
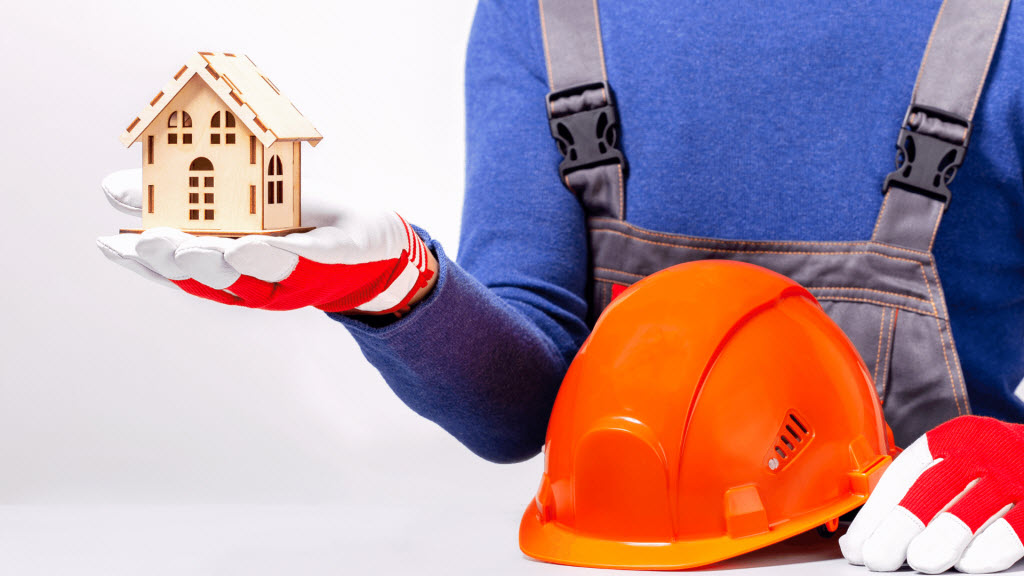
994,549
131,263
118,245
886,549
940,545
204,263
254,257
852,548
167,233
156,248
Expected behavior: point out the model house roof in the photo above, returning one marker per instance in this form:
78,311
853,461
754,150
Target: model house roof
246,91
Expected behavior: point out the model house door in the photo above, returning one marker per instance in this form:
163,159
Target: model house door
201,186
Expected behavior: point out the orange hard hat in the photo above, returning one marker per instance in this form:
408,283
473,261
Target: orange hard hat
715,409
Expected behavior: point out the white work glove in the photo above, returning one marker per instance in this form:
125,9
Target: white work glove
954,498
354,261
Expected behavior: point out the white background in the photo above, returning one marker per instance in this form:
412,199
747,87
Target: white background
114,390
143,427
143,431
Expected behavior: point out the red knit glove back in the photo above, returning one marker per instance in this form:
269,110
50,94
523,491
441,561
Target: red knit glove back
983,454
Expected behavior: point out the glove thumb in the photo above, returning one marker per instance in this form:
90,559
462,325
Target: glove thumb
123,189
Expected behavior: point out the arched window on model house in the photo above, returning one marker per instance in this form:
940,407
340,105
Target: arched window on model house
228,134
179,132
275,181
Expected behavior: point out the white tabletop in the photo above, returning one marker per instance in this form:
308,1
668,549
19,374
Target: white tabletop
305,540
312,541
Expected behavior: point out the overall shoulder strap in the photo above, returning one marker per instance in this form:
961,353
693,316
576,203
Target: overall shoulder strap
937,126
581,108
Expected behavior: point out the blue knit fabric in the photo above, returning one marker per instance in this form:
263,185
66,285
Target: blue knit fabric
759,120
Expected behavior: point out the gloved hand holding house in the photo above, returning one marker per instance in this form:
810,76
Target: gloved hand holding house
222,214
364,262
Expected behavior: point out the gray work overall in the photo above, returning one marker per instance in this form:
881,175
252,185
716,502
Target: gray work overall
884,291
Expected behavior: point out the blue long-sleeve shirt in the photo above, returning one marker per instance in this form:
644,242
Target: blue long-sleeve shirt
758,120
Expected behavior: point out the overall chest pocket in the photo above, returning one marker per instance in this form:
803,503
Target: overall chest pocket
872,329
912,360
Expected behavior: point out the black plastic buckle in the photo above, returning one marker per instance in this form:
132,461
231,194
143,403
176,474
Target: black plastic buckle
586,138
926,163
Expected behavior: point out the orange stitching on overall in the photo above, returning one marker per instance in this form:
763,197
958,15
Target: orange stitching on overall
638,276
757,251
927,51
921,300
888,350
935,230
952,345
753,242
878,302
878,354
828,298
988,62
960,372
942,339
928,285
878,224
606,299
622,191
600,48
952,383
881,214
547,53
931,296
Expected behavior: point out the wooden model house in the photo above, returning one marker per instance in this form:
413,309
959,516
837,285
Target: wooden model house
221,151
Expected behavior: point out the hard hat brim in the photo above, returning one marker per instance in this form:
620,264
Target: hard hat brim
552,542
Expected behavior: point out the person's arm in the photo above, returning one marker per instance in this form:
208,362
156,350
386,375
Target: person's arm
483,355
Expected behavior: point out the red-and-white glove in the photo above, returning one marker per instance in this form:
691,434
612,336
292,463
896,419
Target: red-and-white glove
955,497
356,261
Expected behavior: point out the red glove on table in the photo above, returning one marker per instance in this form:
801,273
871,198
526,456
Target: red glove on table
953,498
369,262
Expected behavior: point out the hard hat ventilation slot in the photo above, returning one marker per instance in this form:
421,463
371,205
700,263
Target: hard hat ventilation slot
798,422
791,439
